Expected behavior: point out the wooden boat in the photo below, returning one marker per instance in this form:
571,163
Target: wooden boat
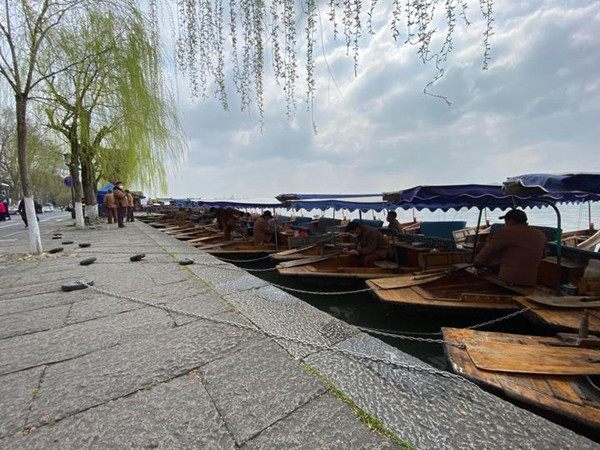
457,288
563,313
541,371
247,249
311,251
336,266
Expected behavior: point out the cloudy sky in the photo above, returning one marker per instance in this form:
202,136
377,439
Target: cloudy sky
537,109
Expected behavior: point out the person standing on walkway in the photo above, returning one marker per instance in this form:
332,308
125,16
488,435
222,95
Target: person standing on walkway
110,206
121,203
129,205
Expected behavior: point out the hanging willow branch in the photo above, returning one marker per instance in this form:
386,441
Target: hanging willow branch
258,28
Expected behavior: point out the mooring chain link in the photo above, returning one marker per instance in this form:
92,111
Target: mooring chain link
499,319
356,355
407,334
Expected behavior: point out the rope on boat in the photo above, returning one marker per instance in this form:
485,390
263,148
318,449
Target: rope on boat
390,361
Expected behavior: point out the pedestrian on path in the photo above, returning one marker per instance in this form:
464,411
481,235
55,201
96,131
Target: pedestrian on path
110,206
7,212
129,205
121,203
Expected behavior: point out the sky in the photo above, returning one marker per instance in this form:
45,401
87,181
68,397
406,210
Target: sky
536,109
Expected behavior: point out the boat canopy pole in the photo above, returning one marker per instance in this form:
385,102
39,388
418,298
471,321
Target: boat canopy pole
477,234
590,223
558,245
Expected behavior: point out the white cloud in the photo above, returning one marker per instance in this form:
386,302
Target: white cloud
535,109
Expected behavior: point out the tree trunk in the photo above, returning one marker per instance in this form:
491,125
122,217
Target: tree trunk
74,168
88,180
35,241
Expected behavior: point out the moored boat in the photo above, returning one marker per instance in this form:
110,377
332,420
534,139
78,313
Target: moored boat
545,372
458,288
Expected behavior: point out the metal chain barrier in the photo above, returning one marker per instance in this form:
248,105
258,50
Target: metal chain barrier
490,322
351,353
242,260
407,334
414,338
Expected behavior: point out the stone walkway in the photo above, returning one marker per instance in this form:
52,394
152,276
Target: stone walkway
83,369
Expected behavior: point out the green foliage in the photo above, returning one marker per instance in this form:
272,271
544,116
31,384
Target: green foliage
45,163
127,125
255,26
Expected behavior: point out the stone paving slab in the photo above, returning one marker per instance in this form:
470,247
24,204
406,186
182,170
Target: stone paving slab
59,344
432,412
271,309
175,414
25,303
16,394
101,372
31,321
324,423
81,383
257,387
99,306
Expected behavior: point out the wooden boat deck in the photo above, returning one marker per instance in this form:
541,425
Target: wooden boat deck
562,318
307,252
456,290
568,395
343,266
242,248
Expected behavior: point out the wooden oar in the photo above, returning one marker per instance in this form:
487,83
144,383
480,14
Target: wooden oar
441,273
296,250
218,244
302,262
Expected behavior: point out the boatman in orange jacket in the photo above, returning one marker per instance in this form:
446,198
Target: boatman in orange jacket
517,249
372,245
263,233
110,206
121,203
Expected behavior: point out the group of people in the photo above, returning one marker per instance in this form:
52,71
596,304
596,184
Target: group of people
513,253
119,205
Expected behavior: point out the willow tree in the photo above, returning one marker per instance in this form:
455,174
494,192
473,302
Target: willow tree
113,110
217,37
28,29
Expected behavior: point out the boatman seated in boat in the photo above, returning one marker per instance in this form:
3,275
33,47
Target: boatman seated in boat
393,223
372,245
516,249
263,233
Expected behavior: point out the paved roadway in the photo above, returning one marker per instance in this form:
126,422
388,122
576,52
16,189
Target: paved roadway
11,230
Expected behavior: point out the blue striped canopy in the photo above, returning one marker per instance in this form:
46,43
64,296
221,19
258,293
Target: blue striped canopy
309,205
578,186
294,197
446,197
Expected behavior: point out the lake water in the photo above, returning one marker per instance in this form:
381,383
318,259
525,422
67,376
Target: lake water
574,217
